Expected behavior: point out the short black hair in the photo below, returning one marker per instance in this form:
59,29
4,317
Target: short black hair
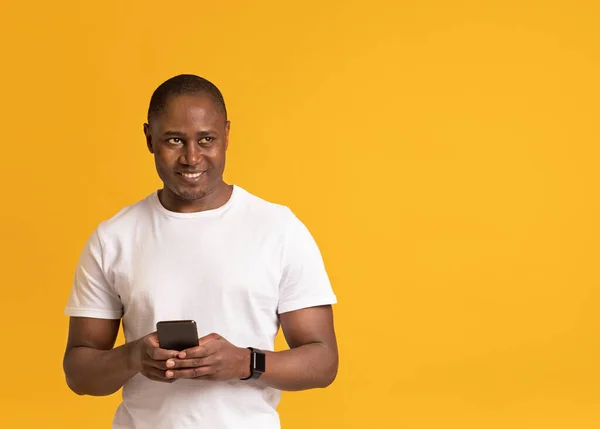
180,85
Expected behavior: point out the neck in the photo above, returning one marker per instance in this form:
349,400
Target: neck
212,199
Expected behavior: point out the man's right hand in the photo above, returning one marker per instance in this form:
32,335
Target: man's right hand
149,359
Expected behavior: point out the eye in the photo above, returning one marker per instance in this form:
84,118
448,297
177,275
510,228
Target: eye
175,140
206,140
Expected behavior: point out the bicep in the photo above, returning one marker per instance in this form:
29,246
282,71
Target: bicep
94,333
309,325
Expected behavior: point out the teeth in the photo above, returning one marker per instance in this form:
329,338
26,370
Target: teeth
191,176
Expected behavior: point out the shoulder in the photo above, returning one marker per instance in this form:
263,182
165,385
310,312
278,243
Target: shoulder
259,209
125,219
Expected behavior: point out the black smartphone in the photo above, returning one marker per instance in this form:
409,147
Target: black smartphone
177,334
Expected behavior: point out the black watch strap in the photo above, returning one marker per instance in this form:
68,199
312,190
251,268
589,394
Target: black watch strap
258,364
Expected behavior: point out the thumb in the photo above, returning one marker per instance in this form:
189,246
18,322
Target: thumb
152,339
208,338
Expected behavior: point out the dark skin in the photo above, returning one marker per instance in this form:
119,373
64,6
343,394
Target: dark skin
190,138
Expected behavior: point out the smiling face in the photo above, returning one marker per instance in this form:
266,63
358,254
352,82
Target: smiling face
189,140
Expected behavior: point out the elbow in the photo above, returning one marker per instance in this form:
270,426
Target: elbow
74,387
71,381
82,390
331,377
330,374
327,381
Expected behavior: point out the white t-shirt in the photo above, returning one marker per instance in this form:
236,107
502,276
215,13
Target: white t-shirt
232,270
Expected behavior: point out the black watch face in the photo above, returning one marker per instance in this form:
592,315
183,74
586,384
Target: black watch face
260,362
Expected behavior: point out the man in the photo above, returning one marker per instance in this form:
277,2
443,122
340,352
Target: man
199,249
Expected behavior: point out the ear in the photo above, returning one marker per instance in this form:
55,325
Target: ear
148,137
227,127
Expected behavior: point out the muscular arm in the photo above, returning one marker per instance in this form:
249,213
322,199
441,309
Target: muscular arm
312,360
91,365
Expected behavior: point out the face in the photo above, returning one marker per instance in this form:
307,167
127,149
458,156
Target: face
189,140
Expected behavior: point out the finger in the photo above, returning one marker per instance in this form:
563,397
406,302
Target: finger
160,380
202,351
191,372
155,374
208,338
156,353
153,349
190,363
153,339
158,364
197,352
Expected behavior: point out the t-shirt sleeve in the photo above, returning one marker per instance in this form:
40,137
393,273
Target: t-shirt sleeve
305,282
92,295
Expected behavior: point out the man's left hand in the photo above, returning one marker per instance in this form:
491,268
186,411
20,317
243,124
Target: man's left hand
214,358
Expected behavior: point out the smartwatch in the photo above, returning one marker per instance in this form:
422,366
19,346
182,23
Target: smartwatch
258,363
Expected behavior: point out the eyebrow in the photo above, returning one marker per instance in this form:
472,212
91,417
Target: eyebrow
181,134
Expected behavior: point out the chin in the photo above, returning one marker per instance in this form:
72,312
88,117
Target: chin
190,195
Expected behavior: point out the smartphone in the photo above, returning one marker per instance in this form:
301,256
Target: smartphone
177,334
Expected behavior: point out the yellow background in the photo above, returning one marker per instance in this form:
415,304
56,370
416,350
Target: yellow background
444,155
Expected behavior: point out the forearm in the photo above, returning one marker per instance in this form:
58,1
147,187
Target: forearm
98,372
308,366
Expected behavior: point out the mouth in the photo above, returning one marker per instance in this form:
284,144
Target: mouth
191,177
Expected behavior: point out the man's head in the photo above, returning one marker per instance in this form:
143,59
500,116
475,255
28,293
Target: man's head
188,133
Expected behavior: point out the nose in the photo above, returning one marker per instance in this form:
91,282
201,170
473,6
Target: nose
191,154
